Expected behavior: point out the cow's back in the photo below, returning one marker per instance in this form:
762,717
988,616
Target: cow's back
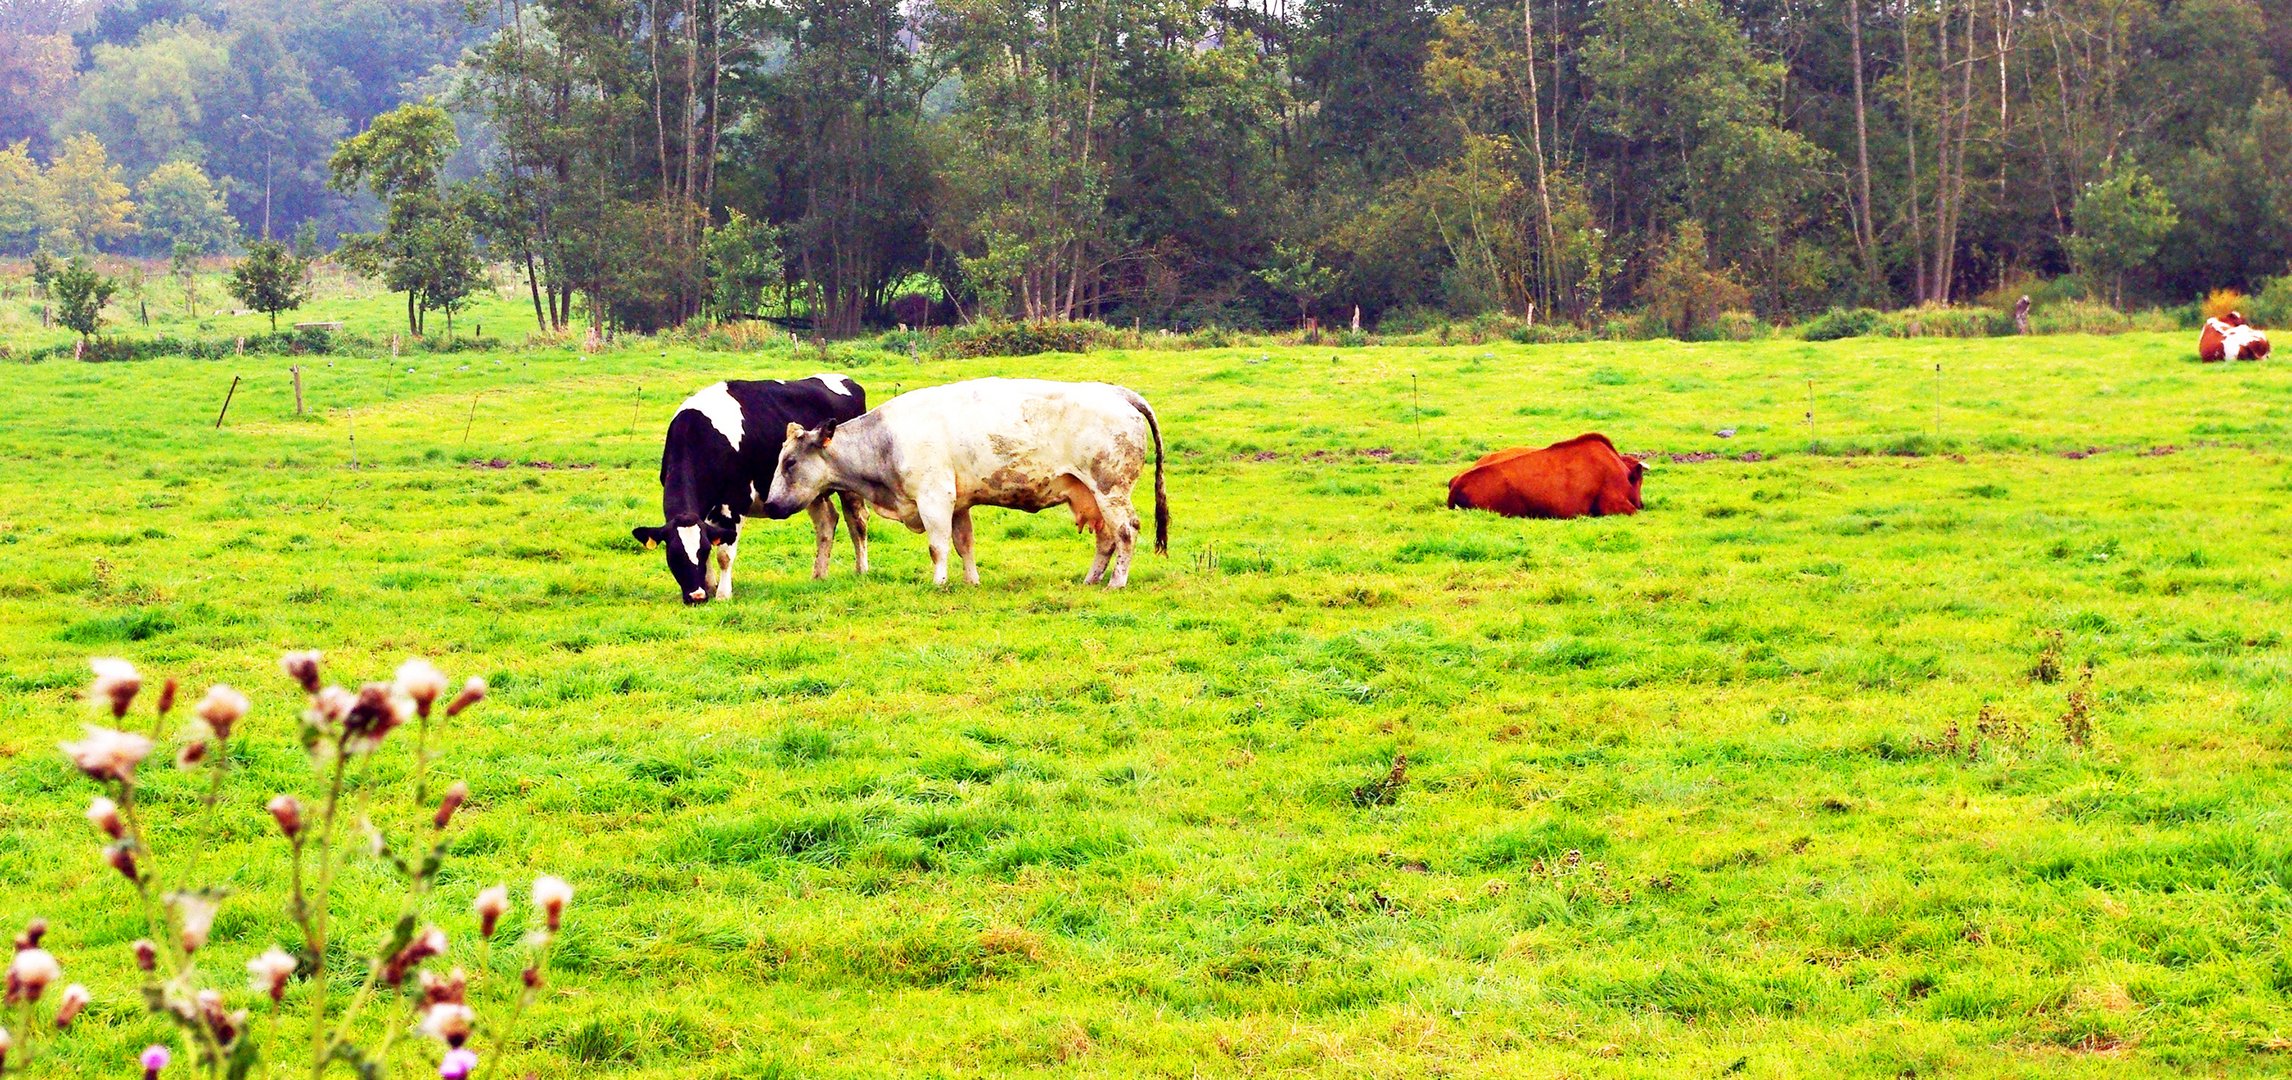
1581,476
1004,433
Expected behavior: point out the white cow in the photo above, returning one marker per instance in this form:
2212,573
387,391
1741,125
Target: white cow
925,458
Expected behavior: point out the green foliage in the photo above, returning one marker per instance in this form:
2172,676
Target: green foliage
80,294
178,206
998,338
2271,305
743,260
427,247
2121,221
20,199
270,279
1684,292
1839,323
83,200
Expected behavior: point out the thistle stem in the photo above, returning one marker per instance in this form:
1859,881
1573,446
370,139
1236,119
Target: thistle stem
318,1042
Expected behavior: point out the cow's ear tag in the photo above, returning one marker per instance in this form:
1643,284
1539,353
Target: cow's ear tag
648,545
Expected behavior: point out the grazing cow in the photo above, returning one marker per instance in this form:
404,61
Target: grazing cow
926,457
2230,338
722,446
1583,475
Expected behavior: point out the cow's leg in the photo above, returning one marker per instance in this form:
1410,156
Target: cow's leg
962,522
721,589
855,519
824,532
937,512
1122,530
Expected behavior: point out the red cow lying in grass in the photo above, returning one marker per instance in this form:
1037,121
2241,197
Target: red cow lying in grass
1583,475
2230,338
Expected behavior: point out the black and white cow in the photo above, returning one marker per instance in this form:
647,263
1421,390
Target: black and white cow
928,456
723,445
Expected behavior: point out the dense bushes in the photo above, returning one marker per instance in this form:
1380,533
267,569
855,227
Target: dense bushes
1024,338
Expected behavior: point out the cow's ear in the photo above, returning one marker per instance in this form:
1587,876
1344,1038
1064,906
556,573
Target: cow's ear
648,535
827,431
719,534
794,429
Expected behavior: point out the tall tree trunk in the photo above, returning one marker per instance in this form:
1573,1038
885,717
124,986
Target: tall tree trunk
1910,147
1546,239
1865,239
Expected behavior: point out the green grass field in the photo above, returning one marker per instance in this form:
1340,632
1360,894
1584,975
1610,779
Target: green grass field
1708,790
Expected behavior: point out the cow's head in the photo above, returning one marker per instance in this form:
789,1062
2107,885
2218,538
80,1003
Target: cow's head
804,470
688,545
1634,471
2234,318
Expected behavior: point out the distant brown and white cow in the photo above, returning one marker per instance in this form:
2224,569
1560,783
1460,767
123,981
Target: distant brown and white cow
926,457
2230,338
1583,476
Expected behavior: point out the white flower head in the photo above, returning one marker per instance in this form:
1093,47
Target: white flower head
222,708
492,903
107,754
76,998
421,682
268,973
196,913
116,684
30,973
104,815
448,1022
551,894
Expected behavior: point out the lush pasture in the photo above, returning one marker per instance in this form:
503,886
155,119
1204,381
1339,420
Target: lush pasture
1705,790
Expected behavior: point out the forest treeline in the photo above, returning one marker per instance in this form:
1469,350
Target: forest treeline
1180,163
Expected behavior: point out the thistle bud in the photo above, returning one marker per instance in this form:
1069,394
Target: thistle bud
115,686
104,815
68,1007
455,796
448,1023
107,754
532,977
146,955
121,856
29,975
155,1059
194,751
492,904
302,667
268,973
195,912
287,810
473,692
167,696
422,683
222,709
33,932
551,894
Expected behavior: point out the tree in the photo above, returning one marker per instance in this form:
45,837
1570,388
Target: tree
178,205
2121,221
20,199
743,260
35,80
269,280
80,295
82,198
426,247
148,103
183,266
1684,291
1297,275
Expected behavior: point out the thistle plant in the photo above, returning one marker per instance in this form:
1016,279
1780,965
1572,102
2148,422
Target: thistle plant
399,993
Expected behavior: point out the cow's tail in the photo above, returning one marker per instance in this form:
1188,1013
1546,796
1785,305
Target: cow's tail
1161,493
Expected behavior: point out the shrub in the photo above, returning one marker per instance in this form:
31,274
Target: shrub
1840,323
2086,317
1953,322
1735,326
2220,302
2272,306
1023,338
1551,333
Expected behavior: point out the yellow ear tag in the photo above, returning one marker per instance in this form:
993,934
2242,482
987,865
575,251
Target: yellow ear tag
648,545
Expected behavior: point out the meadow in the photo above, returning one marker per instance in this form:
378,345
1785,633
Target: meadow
1798,773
